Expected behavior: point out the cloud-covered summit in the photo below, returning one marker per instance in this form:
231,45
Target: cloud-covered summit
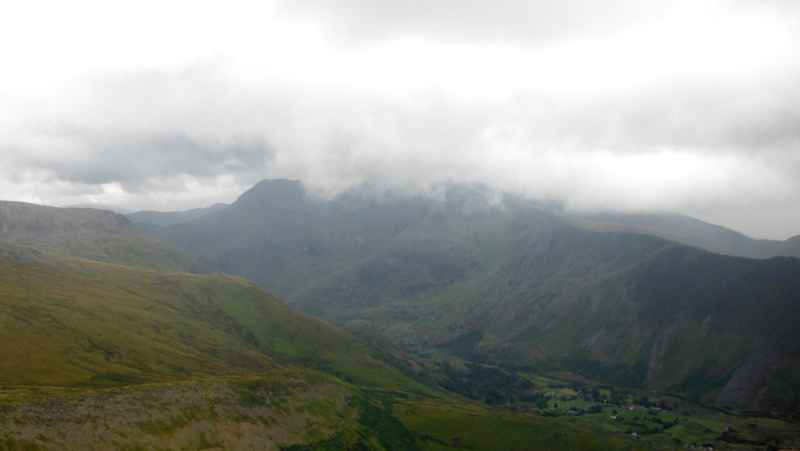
683,106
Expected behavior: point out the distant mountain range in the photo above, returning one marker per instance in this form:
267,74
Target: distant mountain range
171,217
516,284
114,208
687,230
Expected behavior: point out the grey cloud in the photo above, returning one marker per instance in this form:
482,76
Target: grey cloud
703,117
150,130
337,139
473,20
136,159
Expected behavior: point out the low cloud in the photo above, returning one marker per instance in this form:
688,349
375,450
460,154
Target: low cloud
408,96
135,160
478,21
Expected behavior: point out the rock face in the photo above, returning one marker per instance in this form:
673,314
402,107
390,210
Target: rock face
90,234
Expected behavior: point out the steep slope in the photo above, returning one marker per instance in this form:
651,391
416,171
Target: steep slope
91,234
687,230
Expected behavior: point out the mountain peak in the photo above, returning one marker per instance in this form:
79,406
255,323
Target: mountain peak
274,193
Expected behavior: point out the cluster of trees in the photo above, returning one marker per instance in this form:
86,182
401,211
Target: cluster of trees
643,428
489,384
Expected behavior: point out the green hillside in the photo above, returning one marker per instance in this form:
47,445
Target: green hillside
69,322
98,356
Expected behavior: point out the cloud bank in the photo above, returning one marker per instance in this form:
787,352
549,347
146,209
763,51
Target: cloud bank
690,107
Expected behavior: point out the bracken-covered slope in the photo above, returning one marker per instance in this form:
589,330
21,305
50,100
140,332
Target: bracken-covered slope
99,235
517,284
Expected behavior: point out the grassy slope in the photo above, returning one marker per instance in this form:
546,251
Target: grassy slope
129,247
68,322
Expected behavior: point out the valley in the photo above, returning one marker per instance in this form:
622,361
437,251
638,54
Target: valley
516,284
98,355
458,322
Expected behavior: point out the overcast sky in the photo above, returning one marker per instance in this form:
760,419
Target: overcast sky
686,106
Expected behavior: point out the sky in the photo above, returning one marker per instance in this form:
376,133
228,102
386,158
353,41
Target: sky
681,106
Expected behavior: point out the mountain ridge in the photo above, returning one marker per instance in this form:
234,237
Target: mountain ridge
98,235
513,283
162,218
693,232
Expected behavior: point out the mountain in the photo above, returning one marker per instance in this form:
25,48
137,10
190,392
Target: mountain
278,237
625,308
516,284
100,356
91,234
171,217
691,231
